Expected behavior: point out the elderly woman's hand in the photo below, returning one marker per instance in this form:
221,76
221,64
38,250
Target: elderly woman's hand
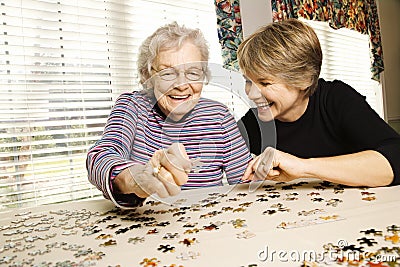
275,165
163,174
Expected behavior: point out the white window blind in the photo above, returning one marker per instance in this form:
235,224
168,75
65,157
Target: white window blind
346,58
63,63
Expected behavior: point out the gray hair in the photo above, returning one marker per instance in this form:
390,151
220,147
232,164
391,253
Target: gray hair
169,36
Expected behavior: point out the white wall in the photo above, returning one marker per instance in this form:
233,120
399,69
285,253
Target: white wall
390,33
255,13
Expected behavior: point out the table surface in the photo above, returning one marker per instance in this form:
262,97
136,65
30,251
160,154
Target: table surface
267,224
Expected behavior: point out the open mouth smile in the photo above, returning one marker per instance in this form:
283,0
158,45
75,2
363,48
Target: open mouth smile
179,97
264,105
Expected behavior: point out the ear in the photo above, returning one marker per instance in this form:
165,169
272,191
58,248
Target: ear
304,88
148,84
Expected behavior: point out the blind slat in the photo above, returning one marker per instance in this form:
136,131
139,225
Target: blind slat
346,58
62,66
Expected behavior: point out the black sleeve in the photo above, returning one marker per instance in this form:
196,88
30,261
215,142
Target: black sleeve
257,134
362,127
250,131
391,151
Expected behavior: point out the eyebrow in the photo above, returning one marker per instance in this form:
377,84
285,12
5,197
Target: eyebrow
163,66
265,80
261,80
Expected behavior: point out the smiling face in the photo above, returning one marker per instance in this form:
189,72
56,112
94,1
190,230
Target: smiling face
275,100
178,96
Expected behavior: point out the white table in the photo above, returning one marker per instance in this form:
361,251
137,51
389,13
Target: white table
68,231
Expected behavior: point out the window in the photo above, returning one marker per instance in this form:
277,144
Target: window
346,57
63,63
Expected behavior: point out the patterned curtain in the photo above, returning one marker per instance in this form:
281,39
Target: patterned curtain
230,35
359,15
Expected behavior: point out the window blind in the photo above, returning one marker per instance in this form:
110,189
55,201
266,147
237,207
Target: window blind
63,63
346,58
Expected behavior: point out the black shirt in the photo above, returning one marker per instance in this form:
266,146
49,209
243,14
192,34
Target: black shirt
337,121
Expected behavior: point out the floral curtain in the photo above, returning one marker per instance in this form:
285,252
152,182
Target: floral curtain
359,15
230,35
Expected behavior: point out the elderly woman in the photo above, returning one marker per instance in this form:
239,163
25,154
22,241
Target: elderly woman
324,129
154,137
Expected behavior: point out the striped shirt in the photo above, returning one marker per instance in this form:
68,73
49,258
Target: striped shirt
136,128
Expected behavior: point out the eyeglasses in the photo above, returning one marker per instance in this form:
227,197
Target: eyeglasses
170,74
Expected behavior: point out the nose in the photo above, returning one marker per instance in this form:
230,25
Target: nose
253,92
181,81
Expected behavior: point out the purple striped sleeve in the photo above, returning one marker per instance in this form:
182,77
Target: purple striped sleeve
236,153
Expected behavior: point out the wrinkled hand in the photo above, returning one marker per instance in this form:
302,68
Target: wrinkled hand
275,165
163,174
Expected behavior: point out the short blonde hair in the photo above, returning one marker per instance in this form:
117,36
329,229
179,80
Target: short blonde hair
169,36
287,51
